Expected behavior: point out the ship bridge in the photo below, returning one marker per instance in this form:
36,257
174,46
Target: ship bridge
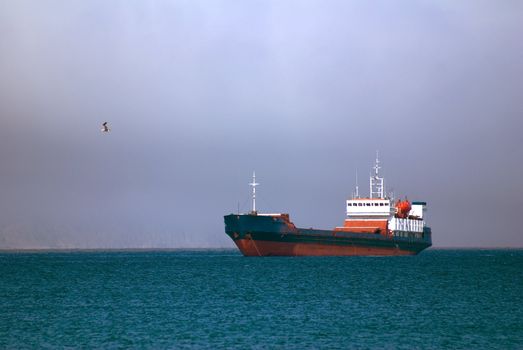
369,215
369,208
379,214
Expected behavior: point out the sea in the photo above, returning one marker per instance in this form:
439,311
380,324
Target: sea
218,299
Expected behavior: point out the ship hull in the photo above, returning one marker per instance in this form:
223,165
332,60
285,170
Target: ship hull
277,236
250,247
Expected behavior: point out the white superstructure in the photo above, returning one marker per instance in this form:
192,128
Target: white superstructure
418,209
379,213
397,224
363,208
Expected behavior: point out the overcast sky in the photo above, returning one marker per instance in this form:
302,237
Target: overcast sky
201,93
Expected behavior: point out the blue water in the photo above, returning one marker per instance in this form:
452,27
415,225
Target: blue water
451,299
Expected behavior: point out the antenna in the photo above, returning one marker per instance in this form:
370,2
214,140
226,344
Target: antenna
391,195
357,194
253,184
376,166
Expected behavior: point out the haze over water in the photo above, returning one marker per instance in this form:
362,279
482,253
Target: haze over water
199,94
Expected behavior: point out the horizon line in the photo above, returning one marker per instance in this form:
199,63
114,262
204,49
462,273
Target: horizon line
131,249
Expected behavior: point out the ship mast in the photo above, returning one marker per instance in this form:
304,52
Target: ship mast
377,187
253,184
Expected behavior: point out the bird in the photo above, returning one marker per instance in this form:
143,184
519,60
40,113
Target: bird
105,127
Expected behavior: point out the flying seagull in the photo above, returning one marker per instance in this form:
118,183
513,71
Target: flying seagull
105,127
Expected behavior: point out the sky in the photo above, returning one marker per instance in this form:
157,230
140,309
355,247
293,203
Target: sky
201,93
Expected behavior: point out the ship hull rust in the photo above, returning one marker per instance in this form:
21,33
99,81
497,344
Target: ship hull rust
249,247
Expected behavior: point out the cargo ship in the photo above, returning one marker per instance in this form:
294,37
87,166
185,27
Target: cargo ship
374,226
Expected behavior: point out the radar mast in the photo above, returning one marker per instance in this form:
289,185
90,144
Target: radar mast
377,187
253,184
